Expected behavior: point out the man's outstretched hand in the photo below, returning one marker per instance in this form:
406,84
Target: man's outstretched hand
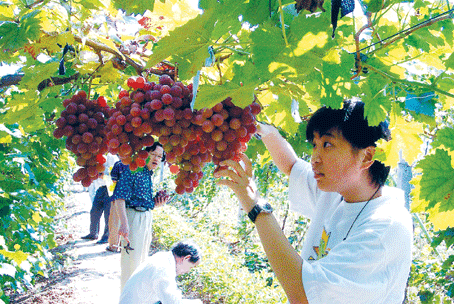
240,179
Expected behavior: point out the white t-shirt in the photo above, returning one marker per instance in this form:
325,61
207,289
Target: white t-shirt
154,281
373,263
94,186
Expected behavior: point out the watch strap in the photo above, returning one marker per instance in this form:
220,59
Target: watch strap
257,209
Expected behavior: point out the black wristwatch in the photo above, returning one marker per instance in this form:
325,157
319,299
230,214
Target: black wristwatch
261,206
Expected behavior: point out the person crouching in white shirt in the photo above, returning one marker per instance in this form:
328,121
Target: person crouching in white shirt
154,281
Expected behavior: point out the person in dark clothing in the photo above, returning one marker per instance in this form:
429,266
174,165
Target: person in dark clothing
100,204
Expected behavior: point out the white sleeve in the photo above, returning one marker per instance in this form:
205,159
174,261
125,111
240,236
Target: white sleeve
92,191
303,191
168,292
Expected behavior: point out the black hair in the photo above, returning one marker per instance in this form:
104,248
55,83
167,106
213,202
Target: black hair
153,148
354,127
187,247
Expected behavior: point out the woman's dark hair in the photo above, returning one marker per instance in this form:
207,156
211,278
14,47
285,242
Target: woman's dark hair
353,126
185,248
153,148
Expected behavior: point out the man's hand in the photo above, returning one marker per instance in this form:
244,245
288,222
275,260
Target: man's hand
161,198
240,180
124,231
264,129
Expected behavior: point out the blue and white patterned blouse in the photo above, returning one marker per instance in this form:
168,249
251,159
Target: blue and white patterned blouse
135,188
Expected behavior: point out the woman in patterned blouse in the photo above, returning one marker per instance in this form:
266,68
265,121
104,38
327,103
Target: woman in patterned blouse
134,199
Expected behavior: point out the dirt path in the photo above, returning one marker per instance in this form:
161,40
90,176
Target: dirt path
92,275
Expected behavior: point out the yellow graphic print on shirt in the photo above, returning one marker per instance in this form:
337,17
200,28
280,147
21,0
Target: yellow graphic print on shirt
322,250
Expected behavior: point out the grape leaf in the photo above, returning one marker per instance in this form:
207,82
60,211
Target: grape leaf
189,42
445,137
437,181
257,11
134,7
240,88
5,138
449,63
308,43
17,256
405,136
447,235
280,114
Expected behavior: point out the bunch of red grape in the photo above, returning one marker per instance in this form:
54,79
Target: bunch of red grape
83,122
151,109
215,134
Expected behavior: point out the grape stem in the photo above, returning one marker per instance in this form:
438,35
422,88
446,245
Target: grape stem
282,22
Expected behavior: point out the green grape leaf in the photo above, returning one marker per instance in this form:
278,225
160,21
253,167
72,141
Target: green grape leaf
437,181
279,112
445,137
445,235
240,88
134,7
376,101
34,74
189,42
449,63
97,4
257,11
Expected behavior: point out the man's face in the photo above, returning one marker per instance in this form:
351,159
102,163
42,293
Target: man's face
155,157
184,265
336,166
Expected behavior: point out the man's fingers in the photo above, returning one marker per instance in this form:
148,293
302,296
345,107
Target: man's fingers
247,164
225,182
234,165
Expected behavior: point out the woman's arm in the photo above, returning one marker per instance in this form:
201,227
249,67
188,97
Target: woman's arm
281,151
285,261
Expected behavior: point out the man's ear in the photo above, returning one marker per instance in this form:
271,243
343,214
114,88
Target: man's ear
368,158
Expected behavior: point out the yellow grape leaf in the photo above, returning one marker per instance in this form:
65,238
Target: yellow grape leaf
52,20
432,59
441,220
6,12
405,137
17,256
108,72
417,204
396,55
170,14
265,158
36,217
88,67
266,98
5,138
108,42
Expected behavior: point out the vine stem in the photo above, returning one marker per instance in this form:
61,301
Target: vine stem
102,47
281,12
408,82
404,33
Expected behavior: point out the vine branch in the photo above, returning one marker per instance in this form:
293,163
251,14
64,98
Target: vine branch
408,82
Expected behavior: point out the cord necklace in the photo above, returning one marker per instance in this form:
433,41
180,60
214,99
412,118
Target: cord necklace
376,191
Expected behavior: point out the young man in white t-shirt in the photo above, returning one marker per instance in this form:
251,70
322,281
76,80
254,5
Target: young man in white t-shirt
358,246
